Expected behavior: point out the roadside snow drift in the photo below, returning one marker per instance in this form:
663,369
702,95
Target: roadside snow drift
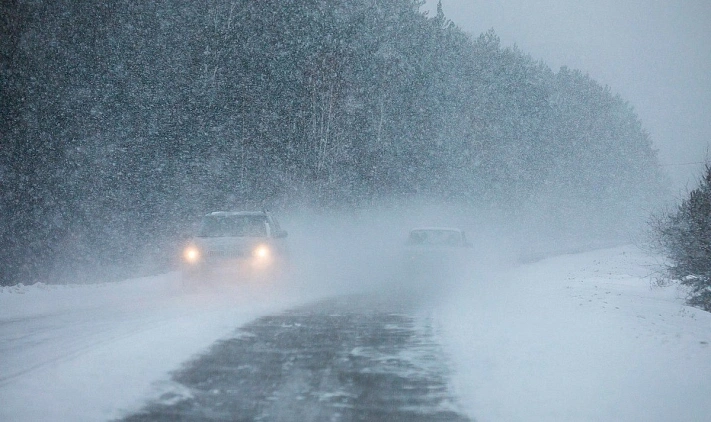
93,352
581,337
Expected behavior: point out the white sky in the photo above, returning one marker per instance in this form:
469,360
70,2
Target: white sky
655,54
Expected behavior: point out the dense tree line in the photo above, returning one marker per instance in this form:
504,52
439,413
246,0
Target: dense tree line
122,120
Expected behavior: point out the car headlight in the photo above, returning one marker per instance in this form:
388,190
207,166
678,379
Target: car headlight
262,252
191,254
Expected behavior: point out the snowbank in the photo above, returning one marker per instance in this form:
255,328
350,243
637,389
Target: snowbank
582,337
93,352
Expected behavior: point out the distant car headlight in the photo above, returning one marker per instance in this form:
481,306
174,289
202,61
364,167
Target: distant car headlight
262,252
191,254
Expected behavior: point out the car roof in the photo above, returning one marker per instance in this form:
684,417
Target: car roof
451,229
237,213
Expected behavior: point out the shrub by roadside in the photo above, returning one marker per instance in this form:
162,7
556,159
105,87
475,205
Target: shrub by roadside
684,236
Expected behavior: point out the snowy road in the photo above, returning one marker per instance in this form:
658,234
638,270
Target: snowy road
582,337
340,360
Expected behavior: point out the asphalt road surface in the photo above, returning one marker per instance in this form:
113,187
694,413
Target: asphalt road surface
347,359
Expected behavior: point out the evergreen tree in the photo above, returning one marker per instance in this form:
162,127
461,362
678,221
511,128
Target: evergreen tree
684,235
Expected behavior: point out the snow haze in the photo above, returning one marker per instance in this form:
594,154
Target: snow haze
575,337
353,124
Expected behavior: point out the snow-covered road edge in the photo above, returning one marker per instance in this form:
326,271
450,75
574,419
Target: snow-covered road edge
581,337
95,352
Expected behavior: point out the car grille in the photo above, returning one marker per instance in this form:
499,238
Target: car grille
225,254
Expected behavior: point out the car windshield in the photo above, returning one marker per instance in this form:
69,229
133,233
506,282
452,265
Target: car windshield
233,226
435,237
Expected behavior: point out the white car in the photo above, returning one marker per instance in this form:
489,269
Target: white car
437,237
235,245
436,252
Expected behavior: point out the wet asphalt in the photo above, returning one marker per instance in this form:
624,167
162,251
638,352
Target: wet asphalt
346,359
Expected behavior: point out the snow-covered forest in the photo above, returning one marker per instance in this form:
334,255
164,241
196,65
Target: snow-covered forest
120,122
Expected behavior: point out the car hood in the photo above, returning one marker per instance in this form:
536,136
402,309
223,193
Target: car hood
227,247
420,252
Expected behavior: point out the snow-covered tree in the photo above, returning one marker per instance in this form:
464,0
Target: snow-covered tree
684,235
